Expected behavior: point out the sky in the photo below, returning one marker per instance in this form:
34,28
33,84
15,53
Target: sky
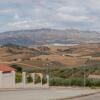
58,14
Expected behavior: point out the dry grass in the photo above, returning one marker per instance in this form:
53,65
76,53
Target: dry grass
77,57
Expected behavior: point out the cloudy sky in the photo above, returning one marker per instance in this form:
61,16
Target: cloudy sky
63,14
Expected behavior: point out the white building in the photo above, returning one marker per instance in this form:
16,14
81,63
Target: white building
7,76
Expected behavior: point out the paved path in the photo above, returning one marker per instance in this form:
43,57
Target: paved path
43,94
91,97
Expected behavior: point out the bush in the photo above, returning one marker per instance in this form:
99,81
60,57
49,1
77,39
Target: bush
77,81
18,77
37,79
59,82
96,83
29,79
44,80
93,83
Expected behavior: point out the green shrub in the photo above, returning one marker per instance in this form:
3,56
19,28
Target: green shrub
29,79
96,83
18,77
59,82
76,81
44,79
37,79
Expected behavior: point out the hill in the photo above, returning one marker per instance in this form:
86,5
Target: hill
49,36
52,56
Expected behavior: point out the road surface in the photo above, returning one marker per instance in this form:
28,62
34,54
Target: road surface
43,94
91,97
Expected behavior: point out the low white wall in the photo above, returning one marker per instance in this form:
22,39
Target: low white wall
7,80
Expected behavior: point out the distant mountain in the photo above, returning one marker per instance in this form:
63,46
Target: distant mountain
48,36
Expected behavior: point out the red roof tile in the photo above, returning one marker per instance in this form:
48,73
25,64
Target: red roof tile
5,68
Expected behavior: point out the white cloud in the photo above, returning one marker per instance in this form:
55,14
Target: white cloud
95,3
28,24
67,17
71,9
50,13
20,24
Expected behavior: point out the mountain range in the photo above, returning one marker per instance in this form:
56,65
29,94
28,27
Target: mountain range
48,36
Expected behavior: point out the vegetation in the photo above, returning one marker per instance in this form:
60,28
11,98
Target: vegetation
29,78
75,81
37,79
18,77
61,76
44,80
96,54
65,65
71,76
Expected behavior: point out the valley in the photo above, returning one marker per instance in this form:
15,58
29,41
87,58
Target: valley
54,56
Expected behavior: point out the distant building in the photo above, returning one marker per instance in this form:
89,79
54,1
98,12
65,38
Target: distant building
94,76
87,57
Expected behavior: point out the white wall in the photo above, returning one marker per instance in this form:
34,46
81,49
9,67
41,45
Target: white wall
0,79
7,80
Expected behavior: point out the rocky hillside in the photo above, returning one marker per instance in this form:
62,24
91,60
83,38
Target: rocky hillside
48,36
